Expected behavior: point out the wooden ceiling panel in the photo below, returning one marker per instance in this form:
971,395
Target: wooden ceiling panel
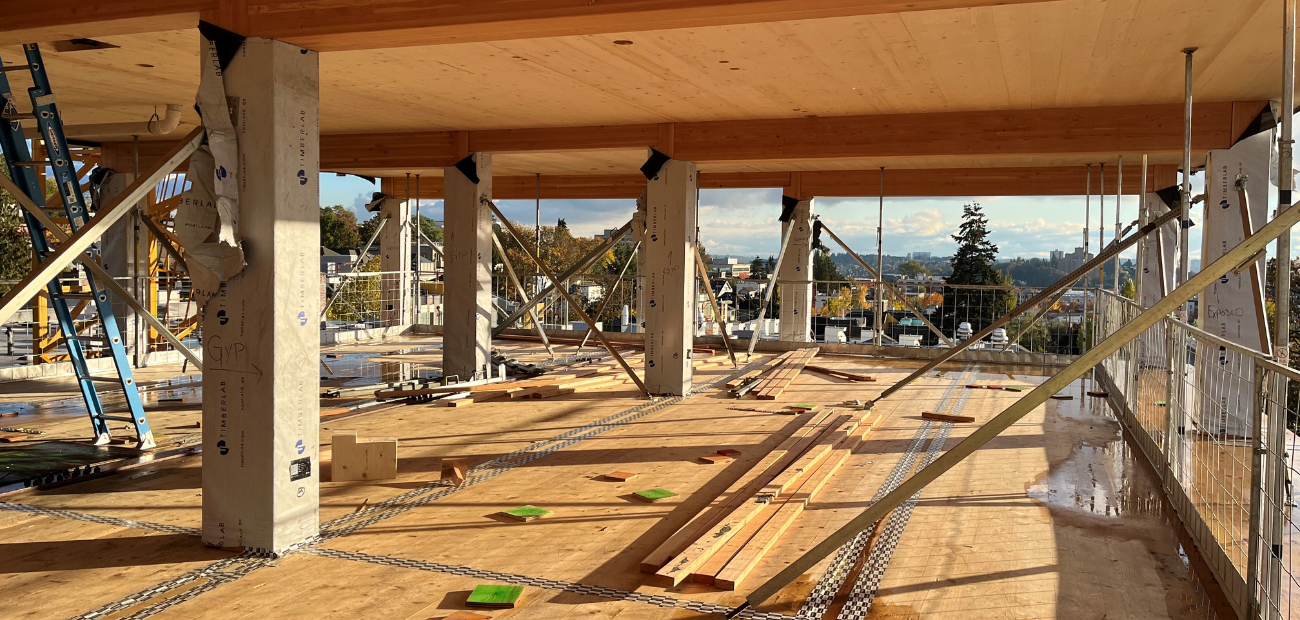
1063,54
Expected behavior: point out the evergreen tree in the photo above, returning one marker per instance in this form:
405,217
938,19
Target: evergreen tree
824,268
973,264
757,268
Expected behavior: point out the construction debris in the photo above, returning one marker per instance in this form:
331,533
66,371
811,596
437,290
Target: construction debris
374,458
946,417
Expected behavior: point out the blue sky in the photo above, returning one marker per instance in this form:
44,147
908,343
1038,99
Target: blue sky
743,222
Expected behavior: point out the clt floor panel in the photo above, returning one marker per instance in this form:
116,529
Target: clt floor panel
1054,519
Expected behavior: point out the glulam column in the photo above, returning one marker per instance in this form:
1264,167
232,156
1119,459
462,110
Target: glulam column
669,269
261,405
467,278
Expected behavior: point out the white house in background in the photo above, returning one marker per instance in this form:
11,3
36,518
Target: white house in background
590,292
750,287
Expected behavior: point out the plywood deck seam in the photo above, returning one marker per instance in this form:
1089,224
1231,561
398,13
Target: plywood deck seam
657,600
387,510
832,579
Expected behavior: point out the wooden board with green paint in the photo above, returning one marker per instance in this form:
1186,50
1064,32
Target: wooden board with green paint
526,513
655,495
494,597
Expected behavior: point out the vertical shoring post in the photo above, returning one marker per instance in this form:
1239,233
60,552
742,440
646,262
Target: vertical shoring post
880,265
1142,245
1282,301
134,248
1185,203
1119,197
382,288
537,229
1087,217
1259,401
1101,229
1099,317
414,259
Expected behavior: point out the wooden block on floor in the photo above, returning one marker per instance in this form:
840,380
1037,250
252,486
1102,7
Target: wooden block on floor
12,437
619,476
526,513
374,458
654,495
1098,393
487,596
729,452
455,470
714,459
947,417
9,414
1062,397
459,402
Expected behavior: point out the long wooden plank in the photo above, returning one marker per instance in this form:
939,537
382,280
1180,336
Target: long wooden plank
711,569
685,563
748,557
707,572
741,490
835,372
788,373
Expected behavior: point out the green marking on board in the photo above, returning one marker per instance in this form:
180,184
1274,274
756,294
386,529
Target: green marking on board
494,596
655,494
528,512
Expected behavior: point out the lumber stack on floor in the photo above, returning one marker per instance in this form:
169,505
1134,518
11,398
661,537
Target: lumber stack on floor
723,544
775,383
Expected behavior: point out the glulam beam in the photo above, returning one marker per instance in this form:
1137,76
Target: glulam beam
1101,131
345,25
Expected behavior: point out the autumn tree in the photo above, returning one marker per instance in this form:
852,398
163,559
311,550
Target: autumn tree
15,244
338,228
912,270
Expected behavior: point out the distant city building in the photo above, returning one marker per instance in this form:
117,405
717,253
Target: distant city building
606,235
1073,260
918,255
728,267
1057,255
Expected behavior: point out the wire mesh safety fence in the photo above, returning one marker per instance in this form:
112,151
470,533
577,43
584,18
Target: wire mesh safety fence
363,299
1057,326
1217,421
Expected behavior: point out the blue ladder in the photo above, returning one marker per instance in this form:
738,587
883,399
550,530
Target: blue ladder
23,170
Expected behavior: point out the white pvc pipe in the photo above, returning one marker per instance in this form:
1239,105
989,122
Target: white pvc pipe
168,123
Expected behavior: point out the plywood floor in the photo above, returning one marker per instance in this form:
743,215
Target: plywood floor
1052,520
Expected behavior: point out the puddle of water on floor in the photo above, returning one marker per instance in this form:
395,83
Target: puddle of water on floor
1104,483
